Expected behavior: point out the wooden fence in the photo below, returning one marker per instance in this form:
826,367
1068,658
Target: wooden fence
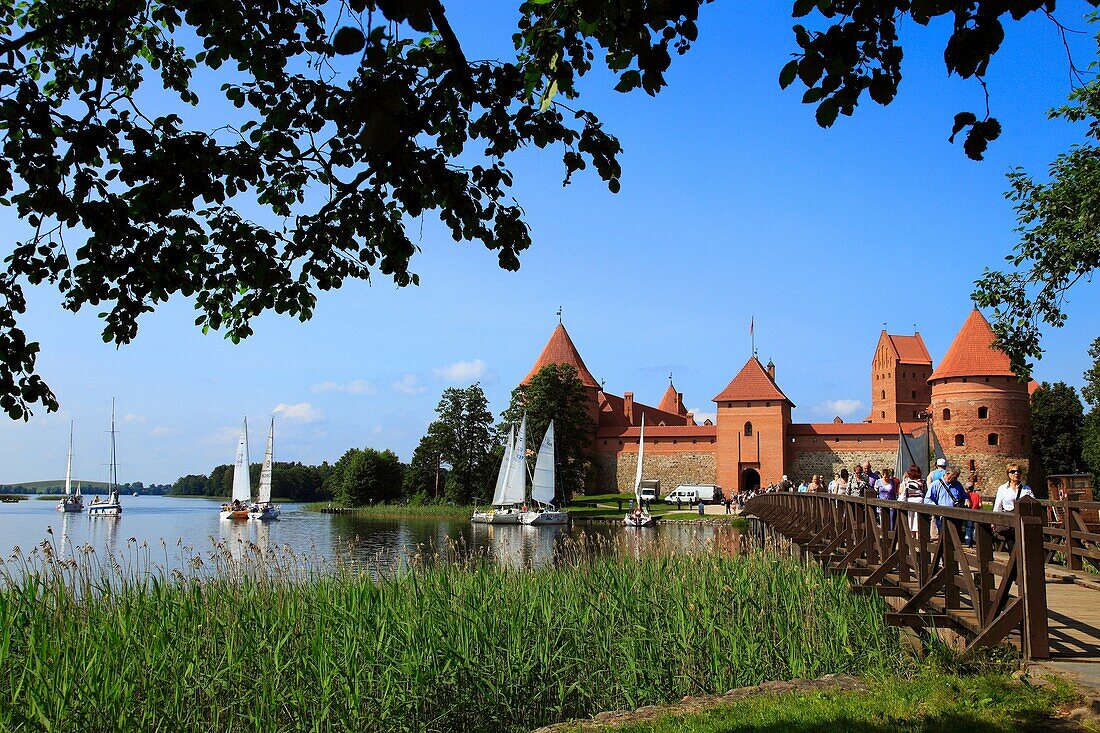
913,555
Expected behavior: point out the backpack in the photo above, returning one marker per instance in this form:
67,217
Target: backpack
914,487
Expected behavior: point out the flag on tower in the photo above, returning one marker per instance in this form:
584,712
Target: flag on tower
751,320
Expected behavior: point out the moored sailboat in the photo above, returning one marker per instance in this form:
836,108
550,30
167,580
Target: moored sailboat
483,517
112,506
507,508
71,502
237,507
640,516
543,487
263,509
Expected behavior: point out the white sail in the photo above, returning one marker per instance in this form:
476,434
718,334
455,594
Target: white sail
242,484
69,464
542,485
515,488
502,474
641,457
264,496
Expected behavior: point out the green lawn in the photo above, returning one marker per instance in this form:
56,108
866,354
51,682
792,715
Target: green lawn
933,700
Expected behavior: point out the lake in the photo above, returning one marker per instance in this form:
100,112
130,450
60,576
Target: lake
169,531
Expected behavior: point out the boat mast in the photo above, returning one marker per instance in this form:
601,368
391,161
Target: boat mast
69,463
112,486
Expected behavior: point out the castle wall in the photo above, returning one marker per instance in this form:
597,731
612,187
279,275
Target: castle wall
826,462
617,469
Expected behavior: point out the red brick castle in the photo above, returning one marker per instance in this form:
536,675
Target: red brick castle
979,411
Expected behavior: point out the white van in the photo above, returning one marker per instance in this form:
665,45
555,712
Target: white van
692,493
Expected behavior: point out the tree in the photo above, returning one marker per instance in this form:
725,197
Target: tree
462,433
366,476
557,393
1059,227
425,478
1090,432
191,485
347,127
1057,419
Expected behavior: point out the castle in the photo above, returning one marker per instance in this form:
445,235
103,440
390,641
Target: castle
977,407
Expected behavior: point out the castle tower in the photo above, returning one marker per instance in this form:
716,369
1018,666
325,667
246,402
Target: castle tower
753,418
672,401
900,370
980,408
560,350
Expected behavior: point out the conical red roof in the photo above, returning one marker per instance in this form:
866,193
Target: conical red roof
972,353
752,383
671,402
560,350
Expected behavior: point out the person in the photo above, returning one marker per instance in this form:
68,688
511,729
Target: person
831,488
729,505
857,484
886,489
815,484
872,476
677,502
975,503
947,492
785,484
803,487
1012,490
842,482
912,489
937,472
701,508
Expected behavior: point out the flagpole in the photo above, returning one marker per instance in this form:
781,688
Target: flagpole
752,333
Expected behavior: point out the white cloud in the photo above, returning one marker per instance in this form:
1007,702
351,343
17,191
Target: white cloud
408,384
461,371
302,412
701,415
160,431
377,430
134,417
356,386
842,408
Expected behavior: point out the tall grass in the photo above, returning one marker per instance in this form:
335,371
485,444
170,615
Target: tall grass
268,644
404,511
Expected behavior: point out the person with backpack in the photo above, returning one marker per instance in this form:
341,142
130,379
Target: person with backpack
912,489
948,492
857,484
1012,491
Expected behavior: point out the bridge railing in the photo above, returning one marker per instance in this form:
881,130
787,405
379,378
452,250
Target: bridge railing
1071,535
913,555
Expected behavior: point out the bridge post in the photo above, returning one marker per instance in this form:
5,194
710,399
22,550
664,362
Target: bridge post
1035,637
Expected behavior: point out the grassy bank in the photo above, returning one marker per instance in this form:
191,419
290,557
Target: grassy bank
438,647
402,511
932,700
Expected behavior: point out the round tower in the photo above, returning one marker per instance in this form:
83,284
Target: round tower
980,408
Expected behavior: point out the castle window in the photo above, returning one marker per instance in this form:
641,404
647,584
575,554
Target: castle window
993,439
914,394
983,413
605,442
836,440
960,440
767,404
882,412
883,394
973,465
748,429
946,414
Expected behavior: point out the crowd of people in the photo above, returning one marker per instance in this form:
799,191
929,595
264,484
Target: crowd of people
941,488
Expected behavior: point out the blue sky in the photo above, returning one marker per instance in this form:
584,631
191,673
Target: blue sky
734,205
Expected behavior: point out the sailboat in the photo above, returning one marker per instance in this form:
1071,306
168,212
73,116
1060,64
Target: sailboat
263,509
640,517
543,487
238,507
72,502
483,517
506,507
112,507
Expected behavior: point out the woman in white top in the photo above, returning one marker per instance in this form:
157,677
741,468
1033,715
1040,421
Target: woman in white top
912,489
1010,491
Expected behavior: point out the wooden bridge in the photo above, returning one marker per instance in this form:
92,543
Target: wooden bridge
1007,588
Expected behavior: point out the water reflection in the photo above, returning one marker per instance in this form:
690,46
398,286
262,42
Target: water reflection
174,532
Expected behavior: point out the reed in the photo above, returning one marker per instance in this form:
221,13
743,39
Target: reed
254,641
404,511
